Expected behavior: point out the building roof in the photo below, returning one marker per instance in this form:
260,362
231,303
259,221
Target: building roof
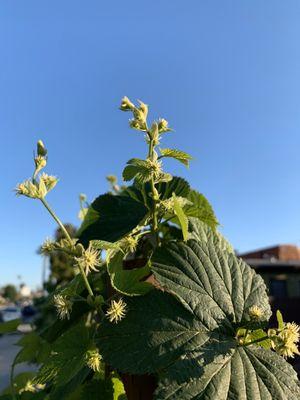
283,252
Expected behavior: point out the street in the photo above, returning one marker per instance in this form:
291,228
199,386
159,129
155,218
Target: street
8,351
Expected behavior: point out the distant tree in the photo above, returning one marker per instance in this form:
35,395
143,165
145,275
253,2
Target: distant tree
61,265
10,292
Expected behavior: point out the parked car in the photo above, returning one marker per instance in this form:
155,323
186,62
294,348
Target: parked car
28,312
10,313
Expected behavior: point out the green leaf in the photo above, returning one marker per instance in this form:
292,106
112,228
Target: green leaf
34,349
279,320
138,169
128,282
110,218
191,341
258,334
130,172
201,232
19,381
142,193
54,330
219,281
72,389
181,156
181,217
220,373
9,326
67,358
201,209
155,331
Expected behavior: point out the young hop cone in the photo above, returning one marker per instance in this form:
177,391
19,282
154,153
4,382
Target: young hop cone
255,312
284,341
63,306
89,259
116,311
93,360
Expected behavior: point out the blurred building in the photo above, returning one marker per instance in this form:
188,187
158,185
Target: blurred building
280,268
25,291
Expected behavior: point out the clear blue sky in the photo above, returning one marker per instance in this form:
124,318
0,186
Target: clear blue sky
226,74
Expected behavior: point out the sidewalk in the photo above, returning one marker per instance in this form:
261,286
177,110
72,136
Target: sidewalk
8,351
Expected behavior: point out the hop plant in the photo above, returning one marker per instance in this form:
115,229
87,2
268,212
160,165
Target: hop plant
141,223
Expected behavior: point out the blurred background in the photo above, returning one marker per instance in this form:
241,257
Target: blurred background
226,75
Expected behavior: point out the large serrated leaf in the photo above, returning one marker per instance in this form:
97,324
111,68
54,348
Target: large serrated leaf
222,373
155,331
201,231
191,342
111,217
201,209
203,276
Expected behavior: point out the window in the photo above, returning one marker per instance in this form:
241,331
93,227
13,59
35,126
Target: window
278,288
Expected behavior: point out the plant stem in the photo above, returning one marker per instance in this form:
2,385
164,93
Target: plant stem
12,388
89,289
68,237
153,189
54,216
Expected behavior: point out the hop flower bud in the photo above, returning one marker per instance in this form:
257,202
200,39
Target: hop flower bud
129,243
63,306
116,311
143,108
163,125
89,259
93,360
40,163
112,179
284,341
137,124
41,150
28,189
255,312
272,332
47,247
49,181
126,104
293,331
82,197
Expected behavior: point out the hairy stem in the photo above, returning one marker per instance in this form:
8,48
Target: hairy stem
153,189
54,216
68,237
